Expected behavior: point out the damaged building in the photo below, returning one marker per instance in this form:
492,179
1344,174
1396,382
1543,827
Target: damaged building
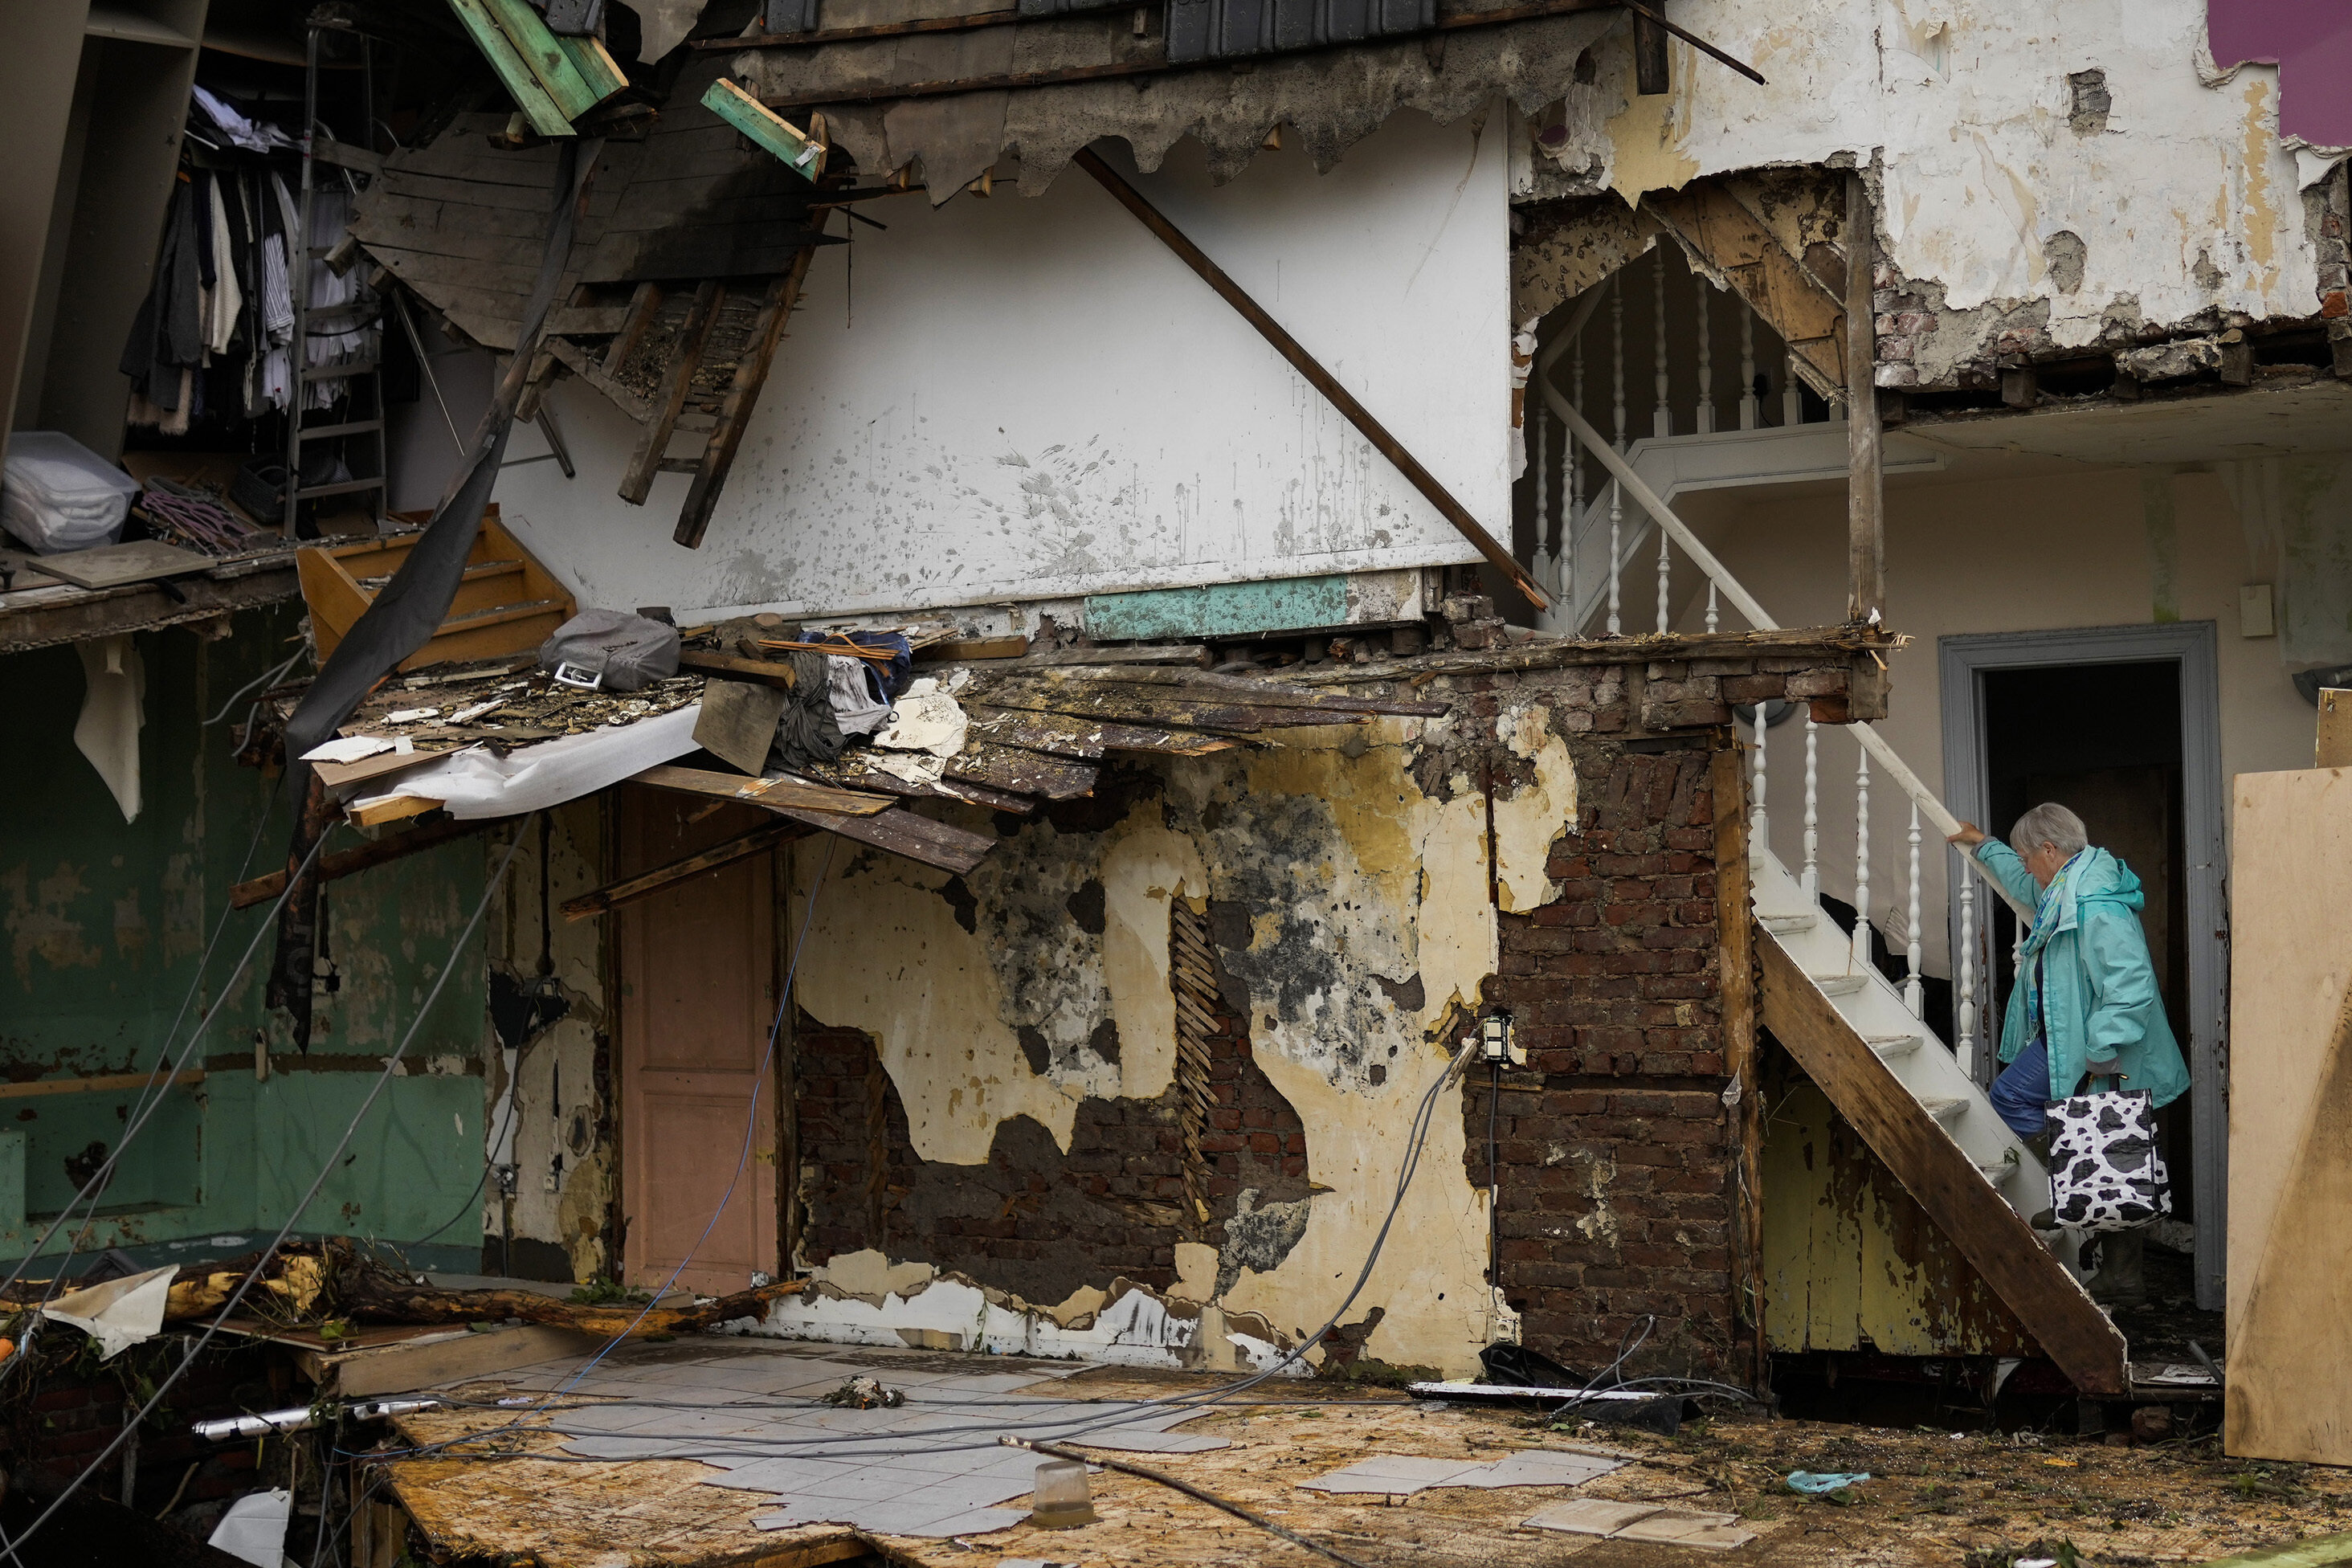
1206,691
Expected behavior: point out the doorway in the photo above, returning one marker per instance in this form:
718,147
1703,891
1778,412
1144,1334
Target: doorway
697,965
2121,725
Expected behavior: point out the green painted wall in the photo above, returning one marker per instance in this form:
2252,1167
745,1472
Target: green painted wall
105,922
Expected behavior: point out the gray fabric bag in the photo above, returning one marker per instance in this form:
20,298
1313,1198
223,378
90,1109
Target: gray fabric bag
629,652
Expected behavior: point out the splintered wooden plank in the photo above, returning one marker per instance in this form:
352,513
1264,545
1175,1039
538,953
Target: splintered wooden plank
644,306
794,148
521,81
1175,709
630,888
1938,1174
1234,687
735,409
1713,222
576,360
1021,772
774,794
1085,739
902,832
685,358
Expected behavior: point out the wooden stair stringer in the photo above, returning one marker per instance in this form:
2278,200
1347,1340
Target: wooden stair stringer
1937,1173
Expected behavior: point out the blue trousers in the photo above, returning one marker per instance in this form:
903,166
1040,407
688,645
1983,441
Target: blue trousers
2021,1090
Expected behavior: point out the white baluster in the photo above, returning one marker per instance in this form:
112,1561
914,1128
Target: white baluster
1759,825
1792,407
1706,425
1913,995
1811,877
1665,579
1713,614
1616,491
1568,531
1862,861
1750,415
1537,417
1661,418
1965,1010
1576,401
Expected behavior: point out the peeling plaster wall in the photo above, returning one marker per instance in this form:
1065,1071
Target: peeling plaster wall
547,1098
1350,900
2060,170
1154,439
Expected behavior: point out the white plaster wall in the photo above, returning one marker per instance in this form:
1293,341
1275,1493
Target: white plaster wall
2185,201
1031,398
2082,547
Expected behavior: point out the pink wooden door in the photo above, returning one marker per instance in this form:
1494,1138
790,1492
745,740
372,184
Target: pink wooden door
698,985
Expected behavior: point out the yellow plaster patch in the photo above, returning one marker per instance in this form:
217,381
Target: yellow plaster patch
1527,823
1145,867
1649,134
1196,1270
885,955
1430,1273
2260,206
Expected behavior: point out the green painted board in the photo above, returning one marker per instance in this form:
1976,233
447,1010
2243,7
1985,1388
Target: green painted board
765,126
499,50
1224,610
547,60
588,57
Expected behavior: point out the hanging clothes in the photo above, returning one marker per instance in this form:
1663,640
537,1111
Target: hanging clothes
224,300
167,339
277,379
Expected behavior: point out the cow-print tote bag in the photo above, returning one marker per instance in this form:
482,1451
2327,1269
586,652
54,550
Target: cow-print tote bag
2104,1170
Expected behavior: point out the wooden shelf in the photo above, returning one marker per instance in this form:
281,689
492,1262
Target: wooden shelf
122,21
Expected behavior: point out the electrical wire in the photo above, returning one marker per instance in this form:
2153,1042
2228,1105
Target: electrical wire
1116,1415
391,1064
159,1078
742,1161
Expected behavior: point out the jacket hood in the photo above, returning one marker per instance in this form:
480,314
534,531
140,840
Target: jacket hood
2094,875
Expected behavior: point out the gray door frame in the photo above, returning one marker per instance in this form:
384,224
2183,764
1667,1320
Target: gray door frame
1962,661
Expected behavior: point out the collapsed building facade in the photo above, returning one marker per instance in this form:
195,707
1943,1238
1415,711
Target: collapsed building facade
1968,389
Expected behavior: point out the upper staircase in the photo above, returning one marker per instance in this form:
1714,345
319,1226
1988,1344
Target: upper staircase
1914,1098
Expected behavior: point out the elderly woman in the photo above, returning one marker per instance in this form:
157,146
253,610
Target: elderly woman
2085,1003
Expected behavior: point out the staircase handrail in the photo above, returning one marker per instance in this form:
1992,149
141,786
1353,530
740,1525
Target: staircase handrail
1867,734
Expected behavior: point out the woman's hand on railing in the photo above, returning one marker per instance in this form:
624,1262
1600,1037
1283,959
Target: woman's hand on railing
1968,836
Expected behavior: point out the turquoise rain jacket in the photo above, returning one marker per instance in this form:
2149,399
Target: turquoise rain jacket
2095,986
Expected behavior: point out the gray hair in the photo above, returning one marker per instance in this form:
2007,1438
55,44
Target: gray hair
2049,824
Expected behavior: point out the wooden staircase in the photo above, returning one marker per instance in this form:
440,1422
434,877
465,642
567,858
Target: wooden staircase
1905,1092
506,601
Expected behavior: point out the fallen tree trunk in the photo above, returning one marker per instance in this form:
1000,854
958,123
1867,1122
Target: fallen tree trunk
380,1296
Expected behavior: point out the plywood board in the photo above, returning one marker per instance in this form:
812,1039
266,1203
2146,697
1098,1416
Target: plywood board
112,566
2289,1368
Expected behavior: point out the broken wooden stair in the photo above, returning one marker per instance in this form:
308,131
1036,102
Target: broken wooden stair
684,361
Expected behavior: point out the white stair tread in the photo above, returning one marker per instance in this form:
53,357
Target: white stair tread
1944,1108
1786,925
1839,984
1887,1046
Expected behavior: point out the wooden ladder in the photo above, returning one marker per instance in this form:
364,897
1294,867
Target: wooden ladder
680,362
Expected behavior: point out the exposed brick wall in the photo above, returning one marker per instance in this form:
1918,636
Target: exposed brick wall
1033,1220
1615,1154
